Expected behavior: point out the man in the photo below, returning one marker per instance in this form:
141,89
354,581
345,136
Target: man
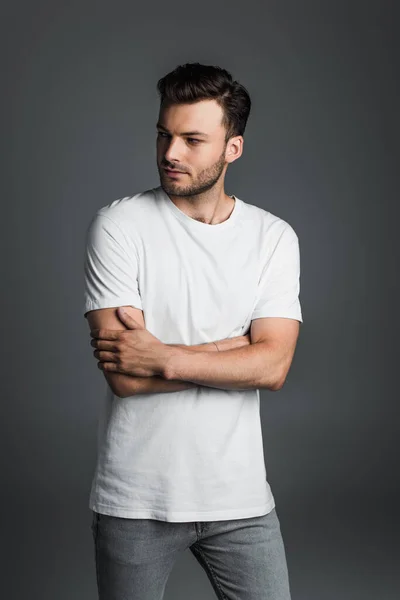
210,287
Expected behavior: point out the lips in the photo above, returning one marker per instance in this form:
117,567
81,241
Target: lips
173,171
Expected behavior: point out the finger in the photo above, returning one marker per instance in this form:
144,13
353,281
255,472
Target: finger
104,345
105,334
105,356
107,366
126,318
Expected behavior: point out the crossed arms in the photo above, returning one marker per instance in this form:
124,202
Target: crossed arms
260,359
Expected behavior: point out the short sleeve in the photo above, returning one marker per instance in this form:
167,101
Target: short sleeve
110,267
279,284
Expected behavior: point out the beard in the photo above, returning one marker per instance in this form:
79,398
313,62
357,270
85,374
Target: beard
206,180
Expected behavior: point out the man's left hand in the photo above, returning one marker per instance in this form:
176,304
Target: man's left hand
134,351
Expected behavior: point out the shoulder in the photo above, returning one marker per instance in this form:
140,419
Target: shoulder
123,216
128,208
270,224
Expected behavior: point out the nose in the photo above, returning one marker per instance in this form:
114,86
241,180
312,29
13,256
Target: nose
173,151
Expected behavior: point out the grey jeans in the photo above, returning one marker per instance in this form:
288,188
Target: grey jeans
244,559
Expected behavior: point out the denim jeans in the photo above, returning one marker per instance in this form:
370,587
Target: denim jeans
244,559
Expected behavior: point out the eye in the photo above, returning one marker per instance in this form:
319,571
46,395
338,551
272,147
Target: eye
191,140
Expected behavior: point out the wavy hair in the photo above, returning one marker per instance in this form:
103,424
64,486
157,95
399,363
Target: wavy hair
193,82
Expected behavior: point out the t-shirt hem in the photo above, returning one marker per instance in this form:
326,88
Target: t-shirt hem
261,314
112,303
178,516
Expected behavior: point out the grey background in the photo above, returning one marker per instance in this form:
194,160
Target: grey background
321,151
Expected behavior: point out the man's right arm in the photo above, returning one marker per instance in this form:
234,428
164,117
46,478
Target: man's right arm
126,385
130,385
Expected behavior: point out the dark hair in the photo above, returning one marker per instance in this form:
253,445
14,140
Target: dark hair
193,82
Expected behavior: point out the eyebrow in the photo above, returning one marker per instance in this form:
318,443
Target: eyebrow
159,126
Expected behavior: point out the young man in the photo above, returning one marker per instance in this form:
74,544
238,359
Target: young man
210,286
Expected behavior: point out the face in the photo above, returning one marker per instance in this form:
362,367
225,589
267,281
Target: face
191,139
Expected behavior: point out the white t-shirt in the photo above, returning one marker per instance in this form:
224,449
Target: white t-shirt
196,454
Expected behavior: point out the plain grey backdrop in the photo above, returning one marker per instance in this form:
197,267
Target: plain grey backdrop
80,106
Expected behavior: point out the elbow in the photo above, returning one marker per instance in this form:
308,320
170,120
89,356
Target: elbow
277,386
272,386
114,382
281,374
276,383
280,381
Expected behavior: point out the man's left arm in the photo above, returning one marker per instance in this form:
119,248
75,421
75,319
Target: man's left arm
263,364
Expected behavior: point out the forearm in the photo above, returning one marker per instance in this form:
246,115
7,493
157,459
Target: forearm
219,345
129,385
252,367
